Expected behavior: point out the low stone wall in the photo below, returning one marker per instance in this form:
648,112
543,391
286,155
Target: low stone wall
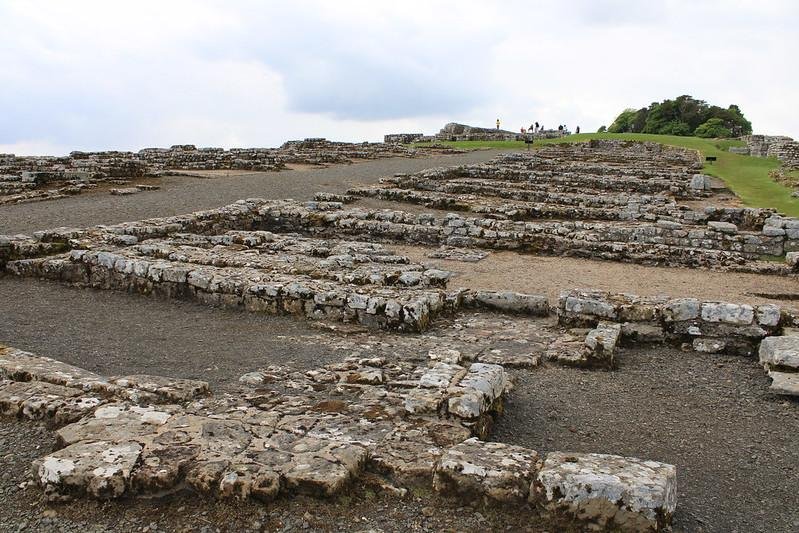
402,138
705,326
461,132
783,148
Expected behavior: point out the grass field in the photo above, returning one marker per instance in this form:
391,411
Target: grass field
748,177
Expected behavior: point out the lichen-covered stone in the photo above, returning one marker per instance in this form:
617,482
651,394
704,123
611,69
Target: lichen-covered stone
493,471
101,469
612,492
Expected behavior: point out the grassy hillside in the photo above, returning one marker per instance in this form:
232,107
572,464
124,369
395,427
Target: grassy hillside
748,177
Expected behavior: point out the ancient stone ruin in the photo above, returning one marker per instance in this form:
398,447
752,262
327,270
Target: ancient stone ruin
783,148
34,178
418,409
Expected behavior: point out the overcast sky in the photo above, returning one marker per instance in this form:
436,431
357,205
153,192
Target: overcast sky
130,74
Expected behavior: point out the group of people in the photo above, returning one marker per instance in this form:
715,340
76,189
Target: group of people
538,128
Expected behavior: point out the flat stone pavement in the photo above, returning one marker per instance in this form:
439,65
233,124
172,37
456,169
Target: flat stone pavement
181,194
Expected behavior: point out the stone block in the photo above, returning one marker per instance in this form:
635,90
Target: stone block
608,491
681,309
486,471
780,352
514,302
786,383
723,227
99,469
728,313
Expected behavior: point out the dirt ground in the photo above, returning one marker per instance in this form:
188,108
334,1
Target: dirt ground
550,275
734,443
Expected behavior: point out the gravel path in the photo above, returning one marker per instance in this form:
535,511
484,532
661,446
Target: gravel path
180,194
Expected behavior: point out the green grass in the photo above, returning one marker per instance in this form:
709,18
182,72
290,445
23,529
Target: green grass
748,177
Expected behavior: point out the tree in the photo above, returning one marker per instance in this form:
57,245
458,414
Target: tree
623,122
713,128
684,115
602,129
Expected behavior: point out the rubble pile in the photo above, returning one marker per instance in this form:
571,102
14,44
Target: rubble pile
394,425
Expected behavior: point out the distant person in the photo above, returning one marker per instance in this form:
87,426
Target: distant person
523,130
497,123
577,129
537,127
531,129
560,128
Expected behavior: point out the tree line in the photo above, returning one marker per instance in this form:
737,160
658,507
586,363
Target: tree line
685,116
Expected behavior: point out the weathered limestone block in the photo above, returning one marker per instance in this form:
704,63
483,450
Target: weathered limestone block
489,471
24,366
116,422
478,394
700,182
581,307
709,345
441,375
728,313
54,404
642,332
780,353
513,302
723,227
609,491
170,389
601,345
319,467
786,383
681,309
100,469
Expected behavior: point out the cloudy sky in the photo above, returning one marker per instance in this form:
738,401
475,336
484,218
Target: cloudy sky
129,74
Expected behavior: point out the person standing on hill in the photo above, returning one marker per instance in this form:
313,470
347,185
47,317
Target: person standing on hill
497,123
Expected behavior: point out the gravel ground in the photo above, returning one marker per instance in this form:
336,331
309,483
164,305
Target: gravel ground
550,275
734,443
180,194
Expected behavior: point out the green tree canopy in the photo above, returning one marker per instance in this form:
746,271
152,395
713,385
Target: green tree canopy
683,115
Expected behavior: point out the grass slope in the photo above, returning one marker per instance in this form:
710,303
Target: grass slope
748,177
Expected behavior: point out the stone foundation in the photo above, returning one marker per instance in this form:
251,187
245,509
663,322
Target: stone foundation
313,433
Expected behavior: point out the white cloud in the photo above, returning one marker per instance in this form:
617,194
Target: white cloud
92,75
